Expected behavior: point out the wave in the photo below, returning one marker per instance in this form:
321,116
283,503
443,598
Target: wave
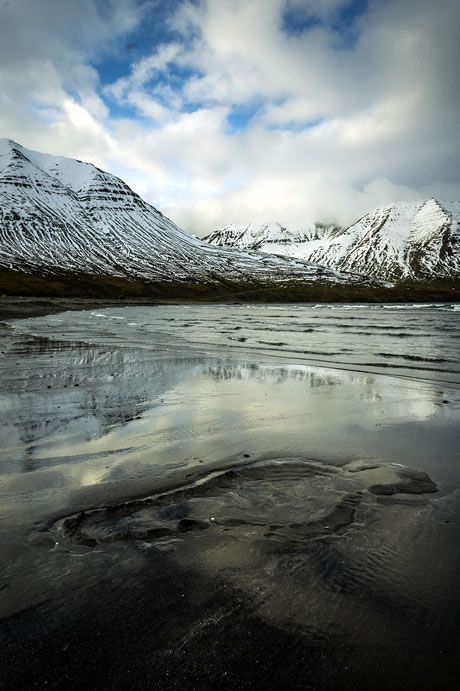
414,358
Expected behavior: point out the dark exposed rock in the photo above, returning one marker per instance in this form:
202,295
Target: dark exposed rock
73,528
186,524
411,482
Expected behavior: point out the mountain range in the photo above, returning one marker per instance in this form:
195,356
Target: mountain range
59,214
60,217
417,240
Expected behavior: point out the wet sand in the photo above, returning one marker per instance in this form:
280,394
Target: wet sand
172,519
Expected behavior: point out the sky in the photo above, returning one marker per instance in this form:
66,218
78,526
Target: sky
234,111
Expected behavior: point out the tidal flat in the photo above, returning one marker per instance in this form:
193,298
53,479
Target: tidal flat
242,496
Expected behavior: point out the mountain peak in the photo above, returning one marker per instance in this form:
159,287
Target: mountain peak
406,239
8,144
263,235
59,214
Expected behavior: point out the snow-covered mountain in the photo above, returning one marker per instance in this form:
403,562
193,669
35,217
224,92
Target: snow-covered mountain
416,240
61,214
267,237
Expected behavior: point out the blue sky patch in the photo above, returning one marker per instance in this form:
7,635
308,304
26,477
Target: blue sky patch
345,23
296,126
240,116
153,31
295,21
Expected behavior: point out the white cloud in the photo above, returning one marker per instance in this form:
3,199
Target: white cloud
341,121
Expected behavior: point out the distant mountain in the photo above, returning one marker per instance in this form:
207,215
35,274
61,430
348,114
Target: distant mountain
406,240
267,237
59,214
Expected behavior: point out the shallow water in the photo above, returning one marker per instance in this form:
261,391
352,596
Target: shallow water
420,341
287,469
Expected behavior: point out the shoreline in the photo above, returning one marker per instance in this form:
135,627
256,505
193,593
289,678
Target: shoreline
27,307
24,307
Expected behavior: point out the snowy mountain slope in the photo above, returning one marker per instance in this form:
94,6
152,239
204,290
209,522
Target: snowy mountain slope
61,214
416,240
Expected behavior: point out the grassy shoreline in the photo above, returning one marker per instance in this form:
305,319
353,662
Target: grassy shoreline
27,294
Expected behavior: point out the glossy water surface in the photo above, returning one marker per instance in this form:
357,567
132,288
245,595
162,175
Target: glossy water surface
276,484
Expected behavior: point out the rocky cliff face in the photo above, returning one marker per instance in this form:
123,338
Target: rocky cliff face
406,240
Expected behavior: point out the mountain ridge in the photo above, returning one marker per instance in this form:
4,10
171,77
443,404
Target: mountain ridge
59,214
404,240
70,228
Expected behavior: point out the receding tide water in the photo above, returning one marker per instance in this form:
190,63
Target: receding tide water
243,496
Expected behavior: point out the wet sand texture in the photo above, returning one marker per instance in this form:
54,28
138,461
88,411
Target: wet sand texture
235,497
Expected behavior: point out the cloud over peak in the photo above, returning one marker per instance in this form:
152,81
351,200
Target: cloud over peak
236,110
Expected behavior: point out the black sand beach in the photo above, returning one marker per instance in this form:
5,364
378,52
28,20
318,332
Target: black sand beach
278,512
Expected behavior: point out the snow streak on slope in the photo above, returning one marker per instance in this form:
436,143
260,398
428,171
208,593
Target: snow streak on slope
418,240
61,214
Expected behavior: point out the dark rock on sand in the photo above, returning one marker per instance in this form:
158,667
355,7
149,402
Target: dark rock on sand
411,482
73,528
340,516
186,524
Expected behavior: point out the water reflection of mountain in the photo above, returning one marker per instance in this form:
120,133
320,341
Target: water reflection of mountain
275,375
67,393
372,387
59,399
403,340
77,390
